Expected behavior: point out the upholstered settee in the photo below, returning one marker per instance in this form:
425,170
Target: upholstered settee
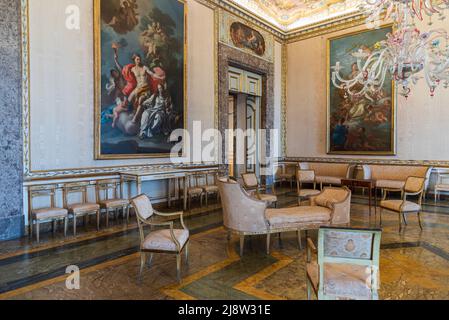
245,215
329,173
393,177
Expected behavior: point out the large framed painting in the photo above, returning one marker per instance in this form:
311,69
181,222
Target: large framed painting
363,125
140,78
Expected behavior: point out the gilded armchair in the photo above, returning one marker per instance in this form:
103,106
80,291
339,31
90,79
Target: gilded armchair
168,240
347,264
414,186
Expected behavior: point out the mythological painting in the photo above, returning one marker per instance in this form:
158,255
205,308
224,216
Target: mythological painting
140,77
245,37
359,124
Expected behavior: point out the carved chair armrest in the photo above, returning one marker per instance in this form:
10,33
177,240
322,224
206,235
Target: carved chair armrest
173,214
311,248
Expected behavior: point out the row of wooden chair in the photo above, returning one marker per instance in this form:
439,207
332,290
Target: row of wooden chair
202,184
108,199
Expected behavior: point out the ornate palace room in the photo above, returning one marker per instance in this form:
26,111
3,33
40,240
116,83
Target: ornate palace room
224,150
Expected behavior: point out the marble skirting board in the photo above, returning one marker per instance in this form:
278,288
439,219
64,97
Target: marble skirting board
11,217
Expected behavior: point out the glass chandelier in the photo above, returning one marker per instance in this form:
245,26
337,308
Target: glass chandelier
407,54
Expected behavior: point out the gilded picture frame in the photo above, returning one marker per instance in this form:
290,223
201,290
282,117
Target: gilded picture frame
98,88
375,137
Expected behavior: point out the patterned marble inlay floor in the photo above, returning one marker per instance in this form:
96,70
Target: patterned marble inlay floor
414,264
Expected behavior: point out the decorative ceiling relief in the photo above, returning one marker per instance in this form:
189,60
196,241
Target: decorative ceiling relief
246,37
288,15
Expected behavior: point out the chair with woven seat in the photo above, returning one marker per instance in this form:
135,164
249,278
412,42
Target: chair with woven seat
347,265
168,240
414,186
211,187
83,208
252,185
110,199
302,177
52,213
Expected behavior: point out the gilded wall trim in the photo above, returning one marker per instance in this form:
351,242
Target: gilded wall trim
432,163
284,100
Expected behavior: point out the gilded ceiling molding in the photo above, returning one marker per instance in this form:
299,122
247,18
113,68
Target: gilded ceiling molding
325,27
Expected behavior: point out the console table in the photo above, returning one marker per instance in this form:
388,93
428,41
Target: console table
363,183
153,175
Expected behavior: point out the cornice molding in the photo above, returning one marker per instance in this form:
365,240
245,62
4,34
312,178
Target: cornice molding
431,163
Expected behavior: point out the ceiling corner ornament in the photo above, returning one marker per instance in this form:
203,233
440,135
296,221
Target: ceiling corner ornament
408,54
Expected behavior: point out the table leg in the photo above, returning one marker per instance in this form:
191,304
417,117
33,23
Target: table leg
370,191
139,186
185,193
169,192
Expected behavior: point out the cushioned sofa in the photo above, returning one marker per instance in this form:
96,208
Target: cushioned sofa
393,177
329,173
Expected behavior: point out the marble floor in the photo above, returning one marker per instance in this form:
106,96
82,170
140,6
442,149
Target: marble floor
414,264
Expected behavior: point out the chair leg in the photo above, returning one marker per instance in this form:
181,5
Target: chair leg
436,195
107,218
127,214
229,235
74,224
207,196
178,267
142,264
419,220
405,219
268,243
187,252
150,260
98,220
37,231
400,222
280,240
298,234
242,243
66,222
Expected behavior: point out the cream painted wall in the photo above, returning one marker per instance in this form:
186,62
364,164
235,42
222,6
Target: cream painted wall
61,82
422,121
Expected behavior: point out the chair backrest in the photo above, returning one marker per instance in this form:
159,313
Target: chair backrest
305,176
211,178
75,188
144,210
250,180
48,191
290,168
194,179
241,212
103,188
414,184
349,249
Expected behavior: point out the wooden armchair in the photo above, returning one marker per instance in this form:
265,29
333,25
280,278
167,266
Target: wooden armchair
305,176
168,240
347,265
414,186
251,184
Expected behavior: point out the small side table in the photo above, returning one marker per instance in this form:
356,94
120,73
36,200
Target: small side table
361,183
